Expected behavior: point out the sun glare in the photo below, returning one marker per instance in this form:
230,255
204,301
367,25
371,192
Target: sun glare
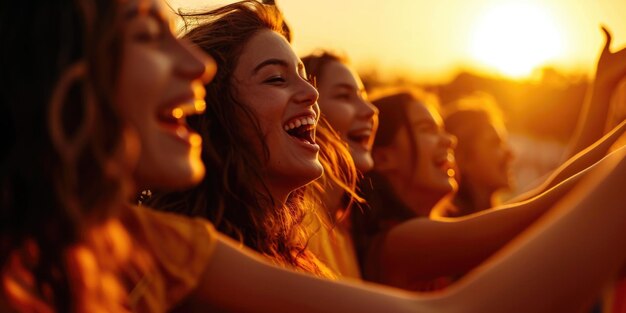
515,39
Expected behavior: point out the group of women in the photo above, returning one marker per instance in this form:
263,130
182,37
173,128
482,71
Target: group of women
225,126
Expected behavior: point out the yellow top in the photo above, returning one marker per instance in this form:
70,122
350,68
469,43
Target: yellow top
141,261
332,244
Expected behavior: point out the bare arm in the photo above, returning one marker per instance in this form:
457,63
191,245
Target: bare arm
584,150
590,220
577,163
611,67
239,280
423,249
555,266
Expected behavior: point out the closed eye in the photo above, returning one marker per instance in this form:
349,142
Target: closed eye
275,80
342,96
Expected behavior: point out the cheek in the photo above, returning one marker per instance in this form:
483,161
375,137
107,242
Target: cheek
427,146
143,79
339,115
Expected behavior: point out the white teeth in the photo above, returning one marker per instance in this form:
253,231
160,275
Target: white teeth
297,122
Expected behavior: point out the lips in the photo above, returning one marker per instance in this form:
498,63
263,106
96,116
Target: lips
363,137
446,163
172,117
302,128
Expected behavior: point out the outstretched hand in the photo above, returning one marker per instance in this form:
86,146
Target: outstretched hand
611,67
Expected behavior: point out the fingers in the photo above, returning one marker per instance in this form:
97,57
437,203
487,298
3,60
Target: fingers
608,38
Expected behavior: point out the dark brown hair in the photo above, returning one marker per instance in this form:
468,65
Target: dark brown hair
339,168
60,164
384,209
316,62
230,196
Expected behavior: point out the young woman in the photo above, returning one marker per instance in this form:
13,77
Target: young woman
103,88
413,172
343,102
71,243
483,155
260,139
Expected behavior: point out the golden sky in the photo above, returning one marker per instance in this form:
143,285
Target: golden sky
433,39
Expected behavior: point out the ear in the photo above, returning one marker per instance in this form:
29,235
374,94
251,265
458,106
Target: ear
384,159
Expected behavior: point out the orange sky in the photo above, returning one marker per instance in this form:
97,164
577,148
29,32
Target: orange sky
432,39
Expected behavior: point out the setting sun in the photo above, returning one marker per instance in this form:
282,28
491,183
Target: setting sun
515,39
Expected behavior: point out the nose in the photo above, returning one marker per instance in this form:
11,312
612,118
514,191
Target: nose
367,109
508,151
306,93
448,140
193,63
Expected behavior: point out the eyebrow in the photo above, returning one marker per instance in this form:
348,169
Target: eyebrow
152,11
268,62
344,85
425,121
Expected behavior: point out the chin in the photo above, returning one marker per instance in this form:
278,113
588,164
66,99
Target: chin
446,187
179,178
314,172
364,164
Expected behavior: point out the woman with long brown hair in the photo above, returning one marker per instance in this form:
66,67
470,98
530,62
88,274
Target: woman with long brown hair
83,121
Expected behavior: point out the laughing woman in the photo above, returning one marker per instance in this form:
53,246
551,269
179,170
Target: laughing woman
260,140
343,103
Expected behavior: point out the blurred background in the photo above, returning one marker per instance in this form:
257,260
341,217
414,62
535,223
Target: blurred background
536,57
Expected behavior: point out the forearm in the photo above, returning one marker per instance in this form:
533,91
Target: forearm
425,249
592,118
577,163
561,262
238,280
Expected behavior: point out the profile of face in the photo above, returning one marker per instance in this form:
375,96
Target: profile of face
432,170
161,81
271,80
344,103
486,162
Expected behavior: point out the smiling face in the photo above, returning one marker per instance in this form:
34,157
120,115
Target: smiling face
486,161
429,173
434,170
161,82
343,101
270,79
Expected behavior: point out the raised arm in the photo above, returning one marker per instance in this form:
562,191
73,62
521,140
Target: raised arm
555,266
577,163
541,270
239,280
610,69
422,249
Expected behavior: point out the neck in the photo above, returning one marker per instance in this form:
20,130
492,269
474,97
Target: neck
331,198
472,198
419,200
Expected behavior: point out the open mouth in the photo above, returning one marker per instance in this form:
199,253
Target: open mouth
175,115
173,118
361,137
446,164
301,128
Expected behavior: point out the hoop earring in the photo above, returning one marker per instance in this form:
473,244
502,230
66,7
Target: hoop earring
65,145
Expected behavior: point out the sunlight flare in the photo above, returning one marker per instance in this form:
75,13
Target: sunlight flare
515,39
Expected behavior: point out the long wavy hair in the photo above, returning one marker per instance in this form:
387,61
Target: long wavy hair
235,197
339,168
384,209
466,118
61,135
